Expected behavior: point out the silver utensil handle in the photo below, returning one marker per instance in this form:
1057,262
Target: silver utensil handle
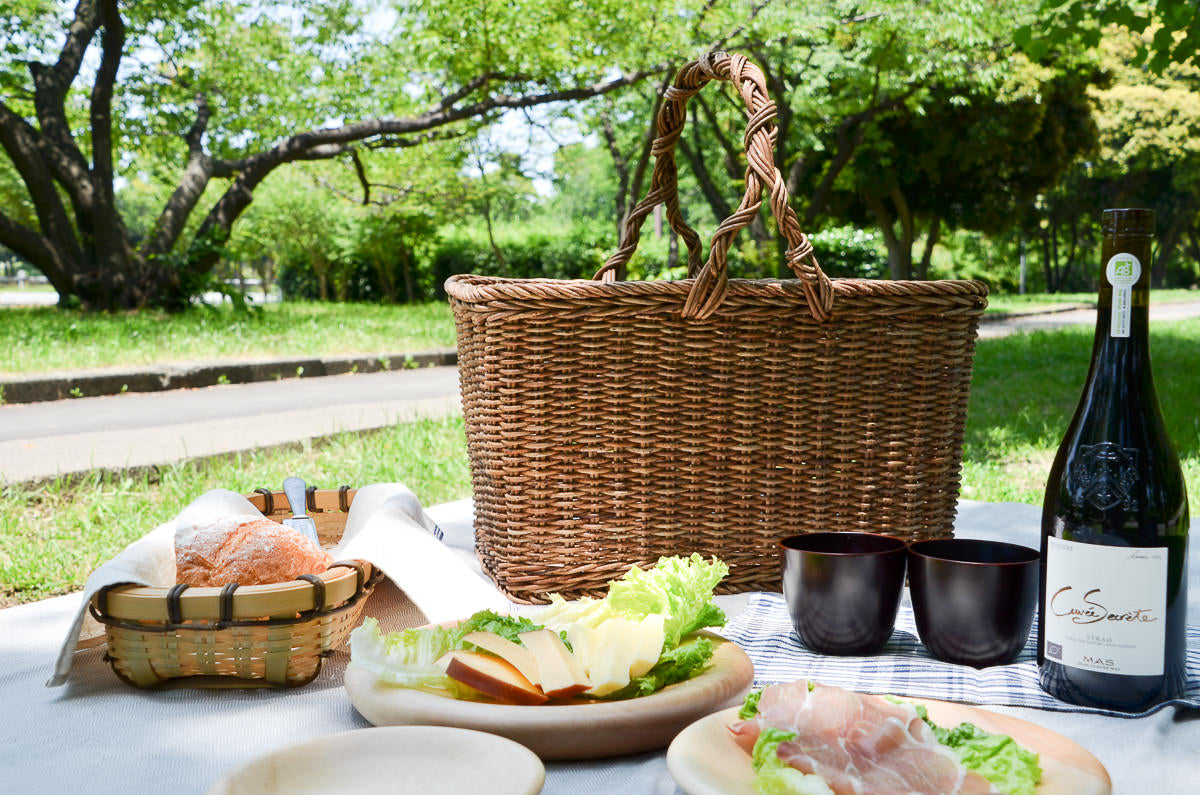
293,489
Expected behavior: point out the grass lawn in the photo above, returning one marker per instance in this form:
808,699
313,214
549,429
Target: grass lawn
1024,391
39,339
1023,394
53,534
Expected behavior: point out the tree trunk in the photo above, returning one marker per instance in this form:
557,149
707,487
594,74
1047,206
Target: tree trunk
931,239
410,293
899,247
1168,244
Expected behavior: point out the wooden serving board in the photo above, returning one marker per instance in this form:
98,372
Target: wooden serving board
575,730
704,759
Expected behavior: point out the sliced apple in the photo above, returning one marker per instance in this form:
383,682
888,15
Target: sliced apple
561,675
521,658
491,676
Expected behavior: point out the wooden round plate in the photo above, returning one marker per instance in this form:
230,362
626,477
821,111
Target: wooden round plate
704,759
572,730
412,760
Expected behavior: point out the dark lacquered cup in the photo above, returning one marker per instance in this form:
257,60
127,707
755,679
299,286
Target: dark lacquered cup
973,600
843,589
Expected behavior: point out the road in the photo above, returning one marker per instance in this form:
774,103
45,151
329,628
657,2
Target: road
41,440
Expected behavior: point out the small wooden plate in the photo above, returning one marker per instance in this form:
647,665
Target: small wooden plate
417,760
573,730
704,759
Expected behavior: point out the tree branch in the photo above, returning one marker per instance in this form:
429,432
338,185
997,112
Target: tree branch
50,84
361,171
214,230
109,230
639,172
112,43
620,165
849,135
28,244
195,178
716,199
79,36
20,141
732,153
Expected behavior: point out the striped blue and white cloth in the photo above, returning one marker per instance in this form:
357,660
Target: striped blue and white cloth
904,667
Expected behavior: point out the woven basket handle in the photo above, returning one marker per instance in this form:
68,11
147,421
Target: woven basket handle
712,282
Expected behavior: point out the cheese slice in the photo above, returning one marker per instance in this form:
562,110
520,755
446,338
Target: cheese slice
613,648
561,676
651,634
618,650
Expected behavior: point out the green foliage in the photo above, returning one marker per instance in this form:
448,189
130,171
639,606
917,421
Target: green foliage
844,251
1168,31
572,253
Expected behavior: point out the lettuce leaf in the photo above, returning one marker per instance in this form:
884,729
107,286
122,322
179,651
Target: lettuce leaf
405,658
997,757
750,705
679,588
505,626
773,776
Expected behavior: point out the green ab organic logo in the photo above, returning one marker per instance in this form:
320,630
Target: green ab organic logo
1124,268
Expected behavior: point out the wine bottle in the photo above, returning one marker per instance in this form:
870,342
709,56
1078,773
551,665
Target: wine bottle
1113,601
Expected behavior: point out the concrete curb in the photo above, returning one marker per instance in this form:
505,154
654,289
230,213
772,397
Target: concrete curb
191,375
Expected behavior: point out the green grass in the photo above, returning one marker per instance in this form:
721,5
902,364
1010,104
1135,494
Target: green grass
41,339
1024,391
53,534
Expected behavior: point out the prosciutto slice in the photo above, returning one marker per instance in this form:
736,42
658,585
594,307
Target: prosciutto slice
859,744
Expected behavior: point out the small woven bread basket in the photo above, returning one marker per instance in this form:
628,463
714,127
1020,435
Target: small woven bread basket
610,422
257,635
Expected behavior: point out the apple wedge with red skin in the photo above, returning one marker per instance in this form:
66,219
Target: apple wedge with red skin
492,676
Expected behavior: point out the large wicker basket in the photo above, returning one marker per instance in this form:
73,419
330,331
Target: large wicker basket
612,422
273,635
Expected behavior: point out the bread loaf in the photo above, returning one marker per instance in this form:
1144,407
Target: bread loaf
248,550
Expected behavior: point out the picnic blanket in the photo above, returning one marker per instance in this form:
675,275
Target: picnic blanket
904,667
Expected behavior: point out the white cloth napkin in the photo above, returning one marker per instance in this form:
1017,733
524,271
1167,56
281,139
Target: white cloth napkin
386,526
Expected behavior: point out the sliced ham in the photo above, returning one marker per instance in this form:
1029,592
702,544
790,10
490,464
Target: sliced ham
859,744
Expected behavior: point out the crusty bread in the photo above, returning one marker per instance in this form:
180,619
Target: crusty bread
248,550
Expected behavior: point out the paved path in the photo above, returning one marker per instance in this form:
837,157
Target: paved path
41,440
1161,312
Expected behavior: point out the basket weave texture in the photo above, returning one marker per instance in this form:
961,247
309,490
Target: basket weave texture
220,638
610,423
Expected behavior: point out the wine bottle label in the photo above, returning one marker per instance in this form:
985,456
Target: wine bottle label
1123,271
1106,607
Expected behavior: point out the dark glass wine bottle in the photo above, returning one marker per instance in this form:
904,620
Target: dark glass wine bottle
1112,614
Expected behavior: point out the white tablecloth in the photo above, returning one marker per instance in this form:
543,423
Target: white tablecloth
98,735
